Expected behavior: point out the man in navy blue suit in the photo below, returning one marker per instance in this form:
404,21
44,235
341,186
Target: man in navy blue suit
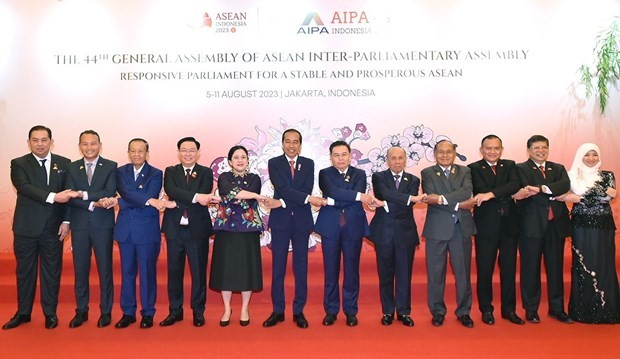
342,224
92,225
290,220
138,233
395,235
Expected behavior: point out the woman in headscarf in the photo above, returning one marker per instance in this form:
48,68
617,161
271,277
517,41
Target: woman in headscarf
595,295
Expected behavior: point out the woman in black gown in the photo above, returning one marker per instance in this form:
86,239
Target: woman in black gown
236,264
595,295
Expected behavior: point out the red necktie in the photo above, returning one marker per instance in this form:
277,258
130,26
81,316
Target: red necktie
494,168
292,163
550,214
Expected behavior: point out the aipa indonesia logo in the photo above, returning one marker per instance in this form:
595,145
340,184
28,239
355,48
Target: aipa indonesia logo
342,22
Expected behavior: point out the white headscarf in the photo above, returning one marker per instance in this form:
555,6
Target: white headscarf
581,176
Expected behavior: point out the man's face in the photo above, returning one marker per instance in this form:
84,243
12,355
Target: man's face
40,143
291,144
89,146
445,154
340,157
538,152
491,150
137,153
188,153
396,159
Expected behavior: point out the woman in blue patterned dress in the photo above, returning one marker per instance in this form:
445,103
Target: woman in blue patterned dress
236,264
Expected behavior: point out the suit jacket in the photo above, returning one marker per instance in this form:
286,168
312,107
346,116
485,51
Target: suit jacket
200,181
398,224
343,190
534,210
440,221
293,191
103,185
503,185
135,219
32,212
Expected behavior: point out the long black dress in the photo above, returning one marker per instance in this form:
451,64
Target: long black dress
595,295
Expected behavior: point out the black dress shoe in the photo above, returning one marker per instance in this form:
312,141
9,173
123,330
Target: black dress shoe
406,320
16,321
273,319
104,320
387,319
78,319
532,317
125,321
329,319
513,318
488,318
51,321
199,319
171,319
351,320
466,321
438,319
146,322
561,316
301,320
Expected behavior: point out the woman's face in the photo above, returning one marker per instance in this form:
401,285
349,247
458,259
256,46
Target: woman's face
590,159
239,161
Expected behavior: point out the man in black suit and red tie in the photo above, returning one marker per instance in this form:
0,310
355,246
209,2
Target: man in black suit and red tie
342,224
187,227
38,228
92,225
495,180
544,226
290,221
395,235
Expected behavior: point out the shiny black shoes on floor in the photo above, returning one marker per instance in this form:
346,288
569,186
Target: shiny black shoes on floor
561,316
78,319
104,320
273,319
329,319
438,319
300,320
513,318
488,318
16,321
125,321
387,319
171,319
51,321
199,320
351,320
146,322
405,319
532,317
466,321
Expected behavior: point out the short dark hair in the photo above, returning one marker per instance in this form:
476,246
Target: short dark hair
233,149
188,139
137,139
491,137
339,143
291,130
89,132
40,128
537,138
442,141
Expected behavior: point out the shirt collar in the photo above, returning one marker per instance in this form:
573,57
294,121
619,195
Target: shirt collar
48,157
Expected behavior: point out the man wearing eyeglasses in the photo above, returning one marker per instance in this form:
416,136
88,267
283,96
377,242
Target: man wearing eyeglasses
187,227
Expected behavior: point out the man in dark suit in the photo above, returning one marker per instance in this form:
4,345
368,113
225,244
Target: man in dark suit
544,226
495,180
342,224
38,227
187,228
138,232
448,229
92,225
395,235
290,220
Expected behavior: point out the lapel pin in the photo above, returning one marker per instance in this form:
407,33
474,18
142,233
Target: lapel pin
347,178
140,186
81,167
453,170
299,167
55,168
405,179
438,173
194,174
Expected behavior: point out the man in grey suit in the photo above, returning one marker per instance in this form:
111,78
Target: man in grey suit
448,229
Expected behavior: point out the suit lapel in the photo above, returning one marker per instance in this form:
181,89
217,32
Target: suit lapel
442,176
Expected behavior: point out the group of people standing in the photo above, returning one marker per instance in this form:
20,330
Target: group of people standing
515,207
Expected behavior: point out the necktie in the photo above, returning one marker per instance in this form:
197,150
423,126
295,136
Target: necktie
44,170
292,163
550,214
494,168
187,171
542,169
89,172
397,181
447,172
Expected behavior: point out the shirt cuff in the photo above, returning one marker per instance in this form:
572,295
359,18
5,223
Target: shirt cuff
545,189
194,198
358,197
85,195
91,206
385,206
50,198
330,201
284,203
444,201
